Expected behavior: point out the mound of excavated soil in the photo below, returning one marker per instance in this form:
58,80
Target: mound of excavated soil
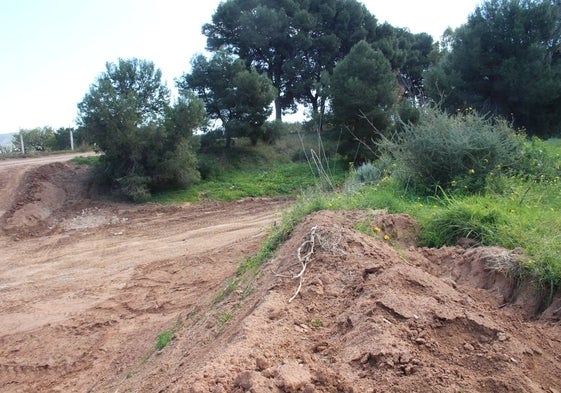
372,315
42,192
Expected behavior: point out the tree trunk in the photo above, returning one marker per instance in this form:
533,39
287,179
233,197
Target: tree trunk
278,109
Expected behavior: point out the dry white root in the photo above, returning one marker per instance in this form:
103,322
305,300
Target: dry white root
305,252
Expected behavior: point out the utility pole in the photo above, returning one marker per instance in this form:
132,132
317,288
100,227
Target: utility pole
71,139
21,142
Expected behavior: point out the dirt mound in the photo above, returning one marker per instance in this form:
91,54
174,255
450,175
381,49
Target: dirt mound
374,314
42,192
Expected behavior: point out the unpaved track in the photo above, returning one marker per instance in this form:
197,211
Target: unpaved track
87,298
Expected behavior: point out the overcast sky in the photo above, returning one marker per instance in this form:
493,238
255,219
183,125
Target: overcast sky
53,50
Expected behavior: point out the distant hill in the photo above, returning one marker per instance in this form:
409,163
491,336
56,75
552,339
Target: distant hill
6,139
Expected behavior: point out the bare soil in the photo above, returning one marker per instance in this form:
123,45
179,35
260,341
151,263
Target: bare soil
87,286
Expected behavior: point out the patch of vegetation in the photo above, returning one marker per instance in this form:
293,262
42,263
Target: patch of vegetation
223,319
316,323
164,339
452,152
91,161
266,181
476,220
515,210
231,286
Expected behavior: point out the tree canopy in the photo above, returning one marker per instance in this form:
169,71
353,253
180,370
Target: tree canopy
145,140
409,56
506,60
292,41
364,93
239,97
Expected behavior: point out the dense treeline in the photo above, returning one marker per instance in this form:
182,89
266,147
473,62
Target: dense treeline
358,79
506,60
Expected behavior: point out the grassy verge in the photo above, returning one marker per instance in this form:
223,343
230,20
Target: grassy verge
86,160
265,181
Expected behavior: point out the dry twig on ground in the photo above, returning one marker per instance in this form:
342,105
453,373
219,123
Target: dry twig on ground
305,252
313,242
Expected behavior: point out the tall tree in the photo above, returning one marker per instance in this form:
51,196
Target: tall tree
145,141
505,60
408,54
238,97
293,41
331,29
364,92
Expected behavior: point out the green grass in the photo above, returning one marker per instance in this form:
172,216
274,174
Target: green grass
223,319
164,339
86,160
270,181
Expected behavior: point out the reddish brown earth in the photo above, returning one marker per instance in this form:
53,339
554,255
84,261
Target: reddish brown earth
86,287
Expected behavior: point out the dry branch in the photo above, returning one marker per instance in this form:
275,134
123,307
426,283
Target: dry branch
305,252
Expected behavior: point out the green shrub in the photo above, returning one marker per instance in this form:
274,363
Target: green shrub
540,162
366,173
134,187
91,161
453,152
274,130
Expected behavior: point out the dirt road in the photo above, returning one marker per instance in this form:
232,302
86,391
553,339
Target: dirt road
87,286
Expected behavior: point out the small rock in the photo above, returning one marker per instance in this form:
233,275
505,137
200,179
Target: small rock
261,363
468,347
198,387
408,370
501,336
420,341
275,313
537,351
405,358
301,328
269,372
309,388
218,389
252,381
292,377
365,358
